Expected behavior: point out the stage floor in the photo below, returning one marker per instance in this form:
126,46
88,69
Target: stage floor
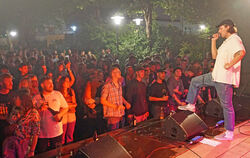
151,142
148,140
239,147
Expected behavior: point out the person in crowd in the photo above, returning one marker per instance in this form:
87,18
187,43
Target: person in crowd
157,64
106,68
34,88
30,68
83,56
184,65
158,94
41,70
113,101
152,75
69,119
24,127
132,60
23,72
23,69
176,89
109,55
147,60
64,71
4,69
136,94
6,85
91,98
168,70
52,106
196,68
145,79
205,67
103,54
25,83
80,81
129,74
177,62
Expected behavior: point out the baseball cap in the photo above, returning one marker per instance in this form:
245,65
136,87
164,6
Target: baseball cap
177,68
161,70
138,68
226,22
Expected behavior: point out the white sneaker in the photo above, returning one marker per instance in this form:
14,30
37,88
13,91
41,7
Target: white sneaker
228,135
190,107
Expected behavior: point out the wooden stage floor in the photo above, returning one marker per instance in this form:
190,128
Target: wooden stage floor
239,147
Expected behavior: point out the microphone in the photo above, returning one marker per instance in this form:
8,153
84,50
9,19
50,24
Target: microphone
211,36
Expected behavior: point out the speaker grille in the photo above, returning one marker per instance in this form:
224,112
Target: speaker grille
183,125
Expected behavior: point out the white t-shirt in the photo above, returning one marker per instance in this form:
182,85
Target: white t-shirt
226,52
49,127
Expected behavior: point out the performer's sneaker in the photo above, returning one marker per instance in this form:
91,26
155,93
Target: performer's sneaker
190,107
228,135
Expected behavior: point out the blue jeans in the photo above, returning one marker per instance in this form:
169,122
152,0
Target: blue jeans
224,91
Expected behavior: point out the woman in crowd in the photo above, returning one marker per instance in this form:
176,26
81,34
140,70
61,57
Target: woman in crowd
91,98
34,89
69,119
25,83
64,70
24,127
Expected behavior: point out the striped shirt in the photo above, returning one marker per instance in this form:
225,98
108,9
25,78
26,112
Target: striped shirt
113,95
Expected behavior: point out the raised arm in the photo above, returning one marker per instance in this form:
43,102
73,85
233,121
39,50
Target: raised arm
213,45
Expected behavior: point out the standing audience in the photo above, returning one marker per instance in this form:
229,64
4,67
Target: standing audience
113,101
104,97
52,107
69,118
136,94
24,127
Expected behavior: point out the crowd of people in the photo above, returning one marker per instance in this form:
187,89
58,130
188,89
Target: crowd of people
49,98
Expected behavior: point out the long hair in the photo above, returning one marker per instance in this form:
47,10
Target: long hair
26,99
60,85
232,29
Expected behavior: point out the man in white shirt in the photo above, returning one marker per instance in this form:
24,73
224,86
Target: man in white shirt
225,75
51,106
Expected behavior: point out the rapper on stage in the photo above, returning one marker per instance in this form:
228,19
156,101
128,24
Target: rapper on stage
225,75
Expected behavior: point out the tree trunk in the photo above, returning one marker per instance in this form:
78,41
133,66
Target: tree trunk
148,20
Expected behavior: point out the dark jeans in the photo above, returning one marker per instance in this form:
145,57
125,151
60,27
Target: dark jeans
45,144
117,125
224,91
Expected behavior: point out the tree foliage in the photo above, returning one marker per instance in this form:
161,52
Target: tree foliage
96,31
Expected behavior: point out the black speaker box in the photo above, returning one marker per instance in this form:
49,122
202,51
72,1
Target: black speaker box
105,147
241,108
183,125
214,109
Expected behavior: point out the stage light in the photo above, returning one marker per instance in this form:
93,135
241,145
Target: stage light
74,28
202,27
138,21
13,33
117,19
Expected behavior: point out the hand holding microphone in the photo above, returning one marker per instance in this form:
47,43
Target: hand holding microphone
215,36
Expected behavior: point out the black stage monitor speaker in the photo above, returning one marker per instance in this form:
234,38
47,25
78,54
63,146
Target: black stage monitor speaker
214,109
105,147
241,108
183,125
